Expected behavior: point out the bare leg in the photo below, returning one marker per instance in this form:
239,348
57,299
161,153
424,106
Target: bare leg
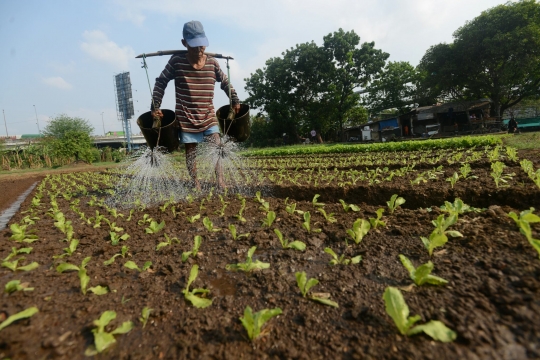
191,163
219,169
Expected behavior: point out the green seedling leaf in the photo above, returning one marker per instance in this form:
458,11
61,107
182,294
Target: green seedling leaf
324,300
99,290
270,217
314,201
19,316
329,217
375,222
103,339
192,219
209,225
197,241
20,234
28,267
145,314
359,229
297,245
254,322
421,275
341,260
399,312
394,202
191,296
347,207
154,227
15,285
249,265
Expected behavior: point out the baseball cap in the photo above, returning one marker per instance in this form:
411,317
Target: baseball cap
194,34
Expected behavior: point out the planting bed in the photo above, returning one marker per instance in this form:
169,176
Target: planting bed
491,301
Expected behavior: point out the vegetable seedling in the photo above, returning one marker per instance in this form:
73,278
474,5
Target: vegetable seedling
19,316
315,202
439,236
270,217
15,285
115,238
265,206
394,202
154,227
254,322
69,250
234,235
453,179
167,243
146,219
123,253
329,217
241,211
81,272
307,223
347,207
524,220
249,265
359,229
197,240
191,296
209,225
133,266
290,208
192,219
145,314
341,260
398,310
102,338
260,200
375,222
297,245
422,274
20,234
458,207
15,252
305,285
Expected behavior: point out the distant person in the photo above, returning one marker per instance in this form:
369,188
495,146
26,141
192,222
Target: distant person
313,135
512,125
406,130
194,74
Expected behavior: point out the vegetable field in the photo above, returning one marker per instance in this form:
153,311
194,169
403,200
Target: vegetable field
423,254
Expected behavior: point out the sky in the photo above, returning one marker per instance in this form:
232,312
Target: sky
60,56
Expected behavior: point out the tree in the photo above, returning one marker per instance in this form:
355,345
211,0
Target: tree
312,87
394,87
351,68
62,123
70,137
497,55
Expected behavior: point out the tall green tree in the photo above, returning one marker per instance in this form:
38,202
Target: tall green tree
61,124
70,137
351,67
496,55
394,87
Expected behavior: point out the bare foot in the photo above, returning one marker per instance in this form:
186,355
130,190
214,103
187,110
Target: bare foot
197,185
221,184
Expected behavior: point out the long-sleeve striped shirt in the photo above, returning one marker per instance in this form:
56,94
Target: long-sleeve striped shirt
194,91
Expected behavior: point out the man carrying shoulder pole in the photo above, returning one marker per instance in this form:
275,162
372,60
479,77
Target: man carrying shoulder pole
195,75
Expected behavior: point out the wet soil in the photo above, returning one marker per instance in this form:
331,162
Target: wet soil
11,188
492,300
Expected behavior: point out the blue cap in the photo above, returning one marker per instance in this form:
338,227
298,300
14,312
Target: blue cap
194,34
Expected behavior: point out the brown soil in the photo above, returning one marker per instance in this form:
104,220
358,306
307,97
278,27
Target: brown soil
12,188
492,300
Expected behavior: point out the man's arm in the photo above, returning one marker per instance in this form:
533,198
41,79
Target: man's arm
225,84
161,84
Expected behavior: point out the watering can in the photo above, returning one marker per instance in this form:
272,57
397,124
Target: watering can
167,133
238,128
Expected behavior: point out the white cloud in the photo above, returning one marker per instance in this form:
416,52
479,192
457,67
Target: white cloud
98,46
57,82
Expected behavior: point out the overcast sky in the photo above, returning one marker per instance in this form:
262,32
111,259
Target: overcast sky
60,56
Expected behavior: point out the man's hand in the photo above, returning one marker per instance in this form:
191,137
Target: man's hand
236,108
157,115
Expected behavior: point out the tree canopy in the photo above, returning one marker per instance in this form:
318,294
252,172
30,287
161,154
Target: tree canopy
61,124
312,87
496,55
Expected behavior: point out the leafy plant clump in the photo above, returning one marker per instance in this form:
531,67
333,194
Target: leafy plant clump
347,207
422,274
524,220
398,310
249,265
154,227
253,322
394,202
197,241
81,272
102,338
340,260
270,217
375,222
439,236
209,225
305,285
191,296
20,234
359,229
297,245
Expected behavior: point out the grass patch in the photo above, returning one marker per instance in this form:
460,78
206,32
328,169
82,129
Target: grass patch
523,141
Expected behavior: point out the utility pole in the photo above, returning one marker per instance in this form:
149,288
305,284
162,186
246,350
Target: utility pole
37,121
5,124
103,124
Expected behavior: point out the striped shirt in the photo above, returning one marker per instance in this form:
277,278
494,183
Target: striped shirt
194,91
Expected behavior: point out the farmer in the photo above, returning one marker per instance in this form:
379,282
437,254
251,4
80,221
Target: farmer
195,75
512,125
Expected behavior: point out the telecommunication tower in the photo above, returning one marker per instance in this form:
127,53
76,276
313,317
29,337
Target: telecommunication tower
124,103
